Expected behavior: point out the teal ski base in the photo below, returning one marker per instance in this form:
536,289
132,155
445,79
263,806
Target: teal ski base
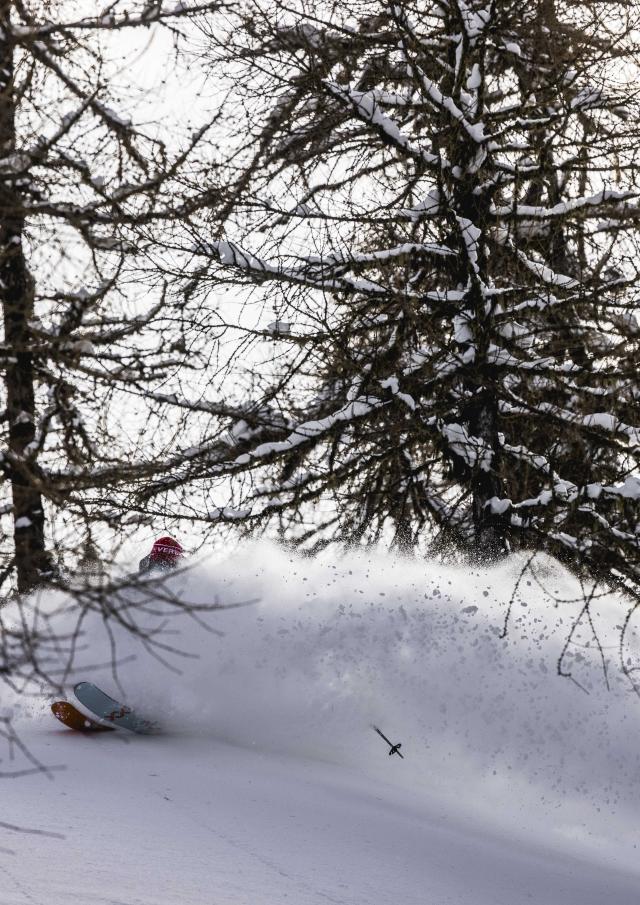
105,707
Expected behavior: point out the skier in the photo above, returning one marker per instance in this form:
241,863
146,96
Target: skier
166,553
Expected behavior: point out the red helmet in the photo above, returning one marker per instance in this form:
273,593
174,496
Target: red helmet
166,551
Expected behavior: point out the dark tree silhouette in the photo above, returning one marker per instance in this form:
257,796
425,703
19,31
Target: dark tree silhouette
430,230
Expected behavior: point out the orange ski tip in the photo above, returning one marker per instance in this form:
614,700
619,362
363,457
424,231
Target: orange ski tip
72,718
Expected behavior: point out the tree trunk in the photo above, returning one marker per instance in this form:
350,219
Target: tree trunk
16,294
480,414
489,531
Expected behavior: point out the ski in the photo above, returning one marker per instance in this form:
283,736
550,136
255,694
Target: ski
71,717
105,707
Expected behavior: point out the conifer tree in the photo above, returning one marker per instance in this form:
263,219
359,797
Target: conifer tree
430,227
85,191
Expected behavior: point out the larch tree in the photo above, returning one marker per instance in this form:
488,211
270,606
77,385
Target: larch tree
429,233
89,329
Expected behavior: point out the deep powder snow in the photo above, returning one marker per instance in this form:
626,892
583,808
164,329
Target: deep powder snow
505,762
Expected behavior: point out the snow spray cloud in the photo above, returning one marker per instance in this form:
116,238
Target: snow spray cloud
331,647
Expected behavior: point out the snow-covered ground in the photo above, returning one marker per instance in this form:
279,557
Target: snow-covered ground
269,785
